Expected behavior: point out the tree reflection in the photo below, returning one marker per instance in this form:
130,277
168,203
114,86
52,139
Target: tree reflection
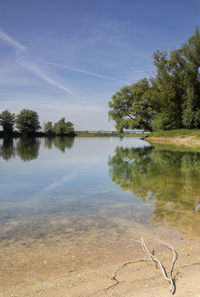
60,142
63,142
28,148
169,178
48,142
7,150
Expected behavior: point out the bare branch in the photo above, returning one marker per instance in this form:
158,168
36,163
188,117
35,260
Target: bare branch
163,269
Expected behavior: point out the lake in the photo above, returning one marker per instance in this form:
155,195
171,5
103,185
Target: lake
71,203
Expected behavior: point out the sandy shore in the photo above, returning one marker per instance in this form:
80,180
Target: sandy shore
140,279
188,141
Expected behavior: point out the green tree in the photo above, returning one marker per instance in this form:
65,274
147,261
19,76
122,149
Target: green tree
171,99
27,122
191,105
167,90
49,129
62,128
175,92
7,121
130,108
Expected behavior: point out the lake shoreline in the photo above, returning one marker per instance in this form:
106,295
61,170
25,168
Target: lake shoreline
136,279
187,141
75,134
33,135
74,216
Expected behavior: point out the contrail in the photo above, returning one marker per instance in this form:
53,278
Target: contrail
21,49
46,78
4,36
87,72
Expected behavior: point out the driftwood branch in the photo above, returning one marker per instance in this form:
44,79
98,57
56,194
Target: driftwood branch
152,257
114,277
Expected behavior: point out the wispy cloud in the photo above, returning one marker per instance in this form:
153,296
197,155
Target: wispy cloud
12,42
29,65
87,72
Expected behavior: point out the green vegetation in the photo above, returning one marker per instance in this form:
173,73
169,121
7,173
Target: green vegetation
130,109
62,128
108,134
7,121
175,133
27,122
170,99
49,129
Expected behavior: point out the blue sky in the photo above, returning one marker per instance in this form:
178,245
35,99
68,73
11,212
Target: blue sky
67,58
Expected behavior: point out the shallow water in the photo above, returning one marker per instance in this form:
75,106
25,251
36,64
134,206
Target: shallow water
51,180
93,181
85,196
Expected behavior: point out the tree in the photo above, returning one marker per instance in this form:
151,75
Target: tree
130,107
62,128
7,121
191,105
49,129
171,99
167,90
176,87
27,121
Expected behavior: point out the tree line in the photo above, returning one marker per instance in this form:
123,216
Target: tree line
27,123
168,100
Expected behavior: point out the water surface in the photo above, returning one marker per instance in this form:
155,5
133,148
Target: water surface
62,198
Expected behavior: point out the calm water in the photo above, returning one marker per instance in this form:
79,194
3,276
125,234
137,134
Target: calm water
67,186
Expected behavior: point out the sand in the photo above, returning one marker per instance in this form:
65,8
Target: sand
84,267
140,279
42,271
188,141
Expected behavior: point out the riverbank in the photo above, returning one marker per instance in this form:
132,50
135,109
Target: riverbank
188,141
186,138
109,134
77,134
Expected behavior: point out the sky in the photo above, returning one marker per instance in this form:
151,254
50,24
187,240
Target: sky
67,58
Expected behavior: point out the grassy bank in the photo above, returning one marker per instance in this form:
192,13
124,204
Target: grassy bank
182,137
176,133
108,134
